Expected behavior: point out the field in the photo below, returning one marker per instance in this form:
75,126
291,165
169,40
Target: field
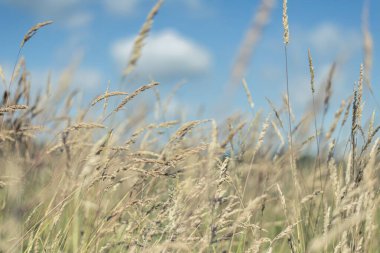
109,177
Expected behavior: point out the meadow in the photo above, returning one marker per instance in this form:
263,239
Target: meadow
109,177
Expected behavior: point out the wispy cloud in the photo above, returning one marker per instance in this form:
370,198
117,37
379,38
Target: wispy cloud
166,56
67,13
193,4
130,7
45,7
328,38
79,19
122,7
328,42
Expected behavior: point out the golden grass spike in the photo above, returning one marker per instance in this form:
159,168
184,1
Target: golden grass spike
252,36
360,95
282,200
287,106
367,45
285,21
311,68
61,145
285,233
276,112
107,95
2,76
354,128
354,110
318,242
256,245
249,96
84,125
328,91
105,105
347,110
134,94
252,205
12,108
164,124
311,196
184,129
278,133
231,135
336,119
262,135
33,31
17,70
371,123
331,166
139,42
326,225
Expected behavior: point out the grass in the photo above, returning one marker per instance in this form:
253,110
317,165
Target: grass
110,178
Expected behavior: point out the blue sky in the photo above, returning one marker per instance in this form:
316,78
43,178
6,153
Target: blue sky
192,40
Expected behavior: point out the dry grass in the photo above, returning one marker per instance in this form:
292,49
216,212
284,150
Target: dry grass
32,31
139,42
253,35
75,182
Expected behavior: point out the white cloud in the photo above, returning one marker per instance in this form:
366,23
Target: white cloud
193,4
129,7
329,38
166,56
121,7
85,78
79,19
66,13
44,7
